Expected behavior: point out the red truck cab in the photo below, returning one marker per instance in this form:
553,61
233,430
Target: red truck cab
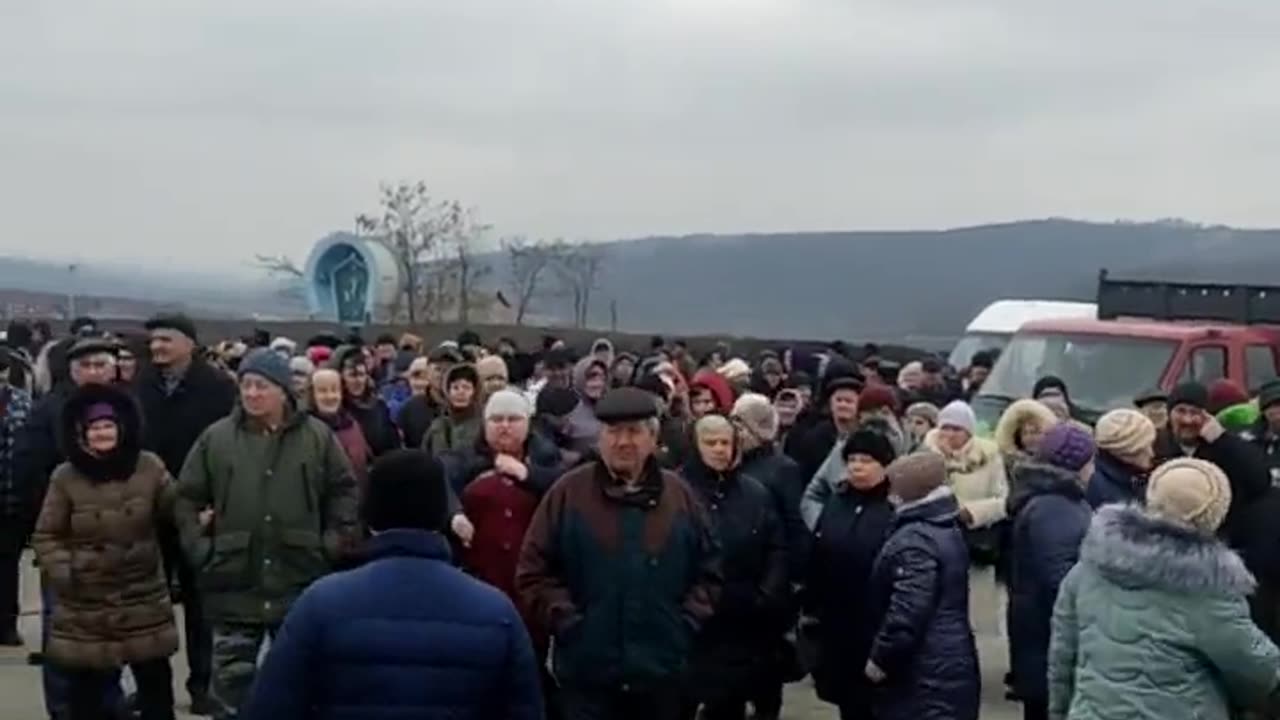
1106,362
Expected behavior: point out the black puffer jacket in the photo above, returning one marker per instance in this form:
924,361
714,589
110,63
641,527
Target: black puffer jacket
851,531
174,420
1261,542
733,652
781,477
1050,518
925,643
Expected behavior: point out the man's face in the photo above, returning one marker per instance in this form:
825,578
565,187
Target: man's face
461,393
788,407
386,352
625,447
260,397
931,380
1272,414
506,433
170,347
128,366
1186,421
436,372
326,392
95,369
559,376
844,406
978,375
1157,412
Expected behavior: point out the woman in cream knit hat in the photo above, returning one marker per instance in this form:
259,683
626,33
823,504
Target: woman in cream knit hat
1164,604
1126,440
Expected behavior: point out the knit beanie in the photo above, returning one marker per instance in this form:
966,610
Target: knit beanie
1191,491
406,490
1067,446
735,370
301,365
1223,393
507,403
757,414
924,410
99,411
958,414
491,366
878,397
913,476
1189,393
872,444
1125,433
1269,395
267,364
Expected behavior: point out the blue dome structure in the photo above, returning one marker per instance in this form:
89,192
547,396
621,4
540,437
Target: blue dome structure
352,280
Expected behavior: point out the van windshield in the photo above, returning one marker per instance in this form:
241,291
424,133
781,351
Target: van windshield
1101,372
976,342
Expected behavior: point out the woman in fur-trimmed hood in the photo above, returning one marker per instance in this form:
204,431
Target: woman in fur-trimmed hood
1020,429
1153,620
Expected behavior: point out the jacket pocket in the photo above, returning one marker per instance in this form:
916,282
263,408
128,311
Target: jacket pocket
227,567
302,558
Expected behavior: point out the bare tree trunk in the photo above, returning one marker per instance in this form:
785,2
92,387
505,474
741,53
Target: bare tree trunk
464,289
613,316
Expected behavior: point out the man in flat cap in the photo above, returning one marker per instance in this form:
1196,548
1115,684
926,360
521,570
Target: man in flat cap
620,565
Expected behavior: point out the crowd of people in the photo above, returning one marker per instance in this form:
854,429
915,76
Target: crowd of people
368,530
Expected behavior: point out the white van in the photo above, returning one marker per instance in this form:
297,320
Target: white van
992,328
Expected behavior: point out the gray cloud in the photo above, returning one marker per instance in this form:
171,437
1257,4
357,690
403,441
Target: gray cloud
194,132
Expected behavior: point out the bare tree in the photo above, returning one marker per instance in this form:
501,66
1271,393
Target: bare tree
278,266
462,236
530,263
578,267
422,234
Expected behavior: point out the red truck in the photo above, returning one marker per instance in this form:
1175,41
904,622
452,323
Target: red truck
1148,334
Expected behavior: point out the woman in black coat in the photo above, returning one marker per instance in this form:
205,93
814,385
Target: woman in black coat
923,660
362,401
732,655
853,526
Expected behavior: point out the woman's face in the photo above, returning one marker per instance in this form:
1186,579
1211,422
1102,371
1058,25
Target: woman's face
127,365
419,376
102,436
715,447
918,426
953,438
863,472
701,403
596,383
1029,435
623,370
326,392
461,393
355,377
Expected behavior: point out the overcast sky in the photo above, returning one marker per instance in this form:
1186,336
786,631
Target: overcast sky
190,132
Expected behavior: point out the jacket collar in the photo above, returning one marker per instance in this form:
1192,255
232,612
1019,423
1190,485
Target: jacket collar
939,507
647,492
1036,478
405,542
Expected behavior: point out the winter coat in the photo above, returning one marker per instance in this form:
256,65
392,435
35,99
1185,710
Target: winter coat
175,418
831,474
375,420
1246,469
851,531
1153,623
405,635
354,445
584,426
736,649
1009,428
1049,519
976,474
36,452
541,457
284,507
812,445
1261,546
453,431
924,644
415,418
15,409
624,580
98,545
780,475
1114,481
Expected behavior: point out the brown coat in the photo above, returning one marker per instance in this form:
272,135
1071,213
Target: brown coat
97,544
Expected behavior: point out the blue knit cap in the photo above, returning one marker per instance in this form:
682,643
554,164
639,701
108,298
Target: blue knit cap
268,364
1067,446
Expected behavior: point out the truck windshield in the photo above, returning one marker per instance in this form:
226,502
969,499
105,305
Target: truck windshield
975,342
1101,372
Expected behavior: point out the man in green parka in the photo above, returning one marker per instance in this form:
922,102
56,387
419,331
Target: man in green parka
266,505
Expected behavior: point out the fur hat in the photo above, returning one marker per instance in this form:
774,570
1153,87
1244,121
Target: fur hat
958,414
913,476
878,397
1125,433
925,410
406,490
758,415
267,364
491,366
872,444
1190,491
1067,446
735,370
507,403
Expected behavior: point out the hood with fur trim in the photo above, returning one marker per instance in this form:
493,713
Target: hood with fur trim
720,389
1134,548
1015,417
118,465
975,455
580,370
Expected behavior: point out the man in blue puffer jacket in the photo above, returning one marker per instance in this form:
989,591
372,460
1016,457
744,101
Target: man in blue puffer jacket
406,634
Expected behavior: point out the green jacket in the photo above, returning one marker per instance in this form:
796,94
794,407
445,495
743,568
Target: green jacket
1152,623
452,433
284,512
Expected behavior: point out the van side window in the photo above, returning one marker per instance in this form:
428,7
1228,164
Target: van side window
1207,364
1259,366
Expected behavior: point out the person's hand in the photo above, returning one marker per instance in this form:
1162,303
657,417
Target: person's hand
966,517
1211,430
206,518
874,673
463,529
508,465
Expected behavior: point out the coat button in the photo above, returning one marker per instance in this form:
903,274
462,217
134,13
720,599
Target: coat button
507,513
